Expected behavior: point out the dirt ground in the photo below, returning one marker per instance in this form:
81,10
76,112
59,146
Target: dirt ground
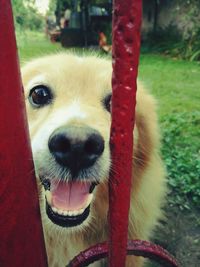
180,235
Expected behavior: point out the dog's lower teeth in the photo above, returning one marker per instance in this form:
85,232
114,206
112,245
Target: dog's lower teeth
48,196
81,211
55,210
66,212
89,200
69,213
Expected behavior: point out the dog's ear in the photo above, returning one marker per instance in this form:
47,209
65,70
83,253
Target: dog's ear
147,130
148,169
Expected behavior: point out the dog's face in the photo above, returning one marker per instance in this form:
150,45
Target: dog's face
68,105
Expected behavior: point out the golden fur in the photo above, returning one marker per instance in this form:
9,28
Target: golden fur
87,80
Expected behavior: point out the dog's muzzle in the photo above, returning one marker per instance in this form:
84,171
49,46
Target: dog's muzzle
75,149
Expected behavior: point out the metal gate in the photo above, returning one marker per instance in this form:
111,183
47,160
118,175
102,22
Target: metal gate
21,237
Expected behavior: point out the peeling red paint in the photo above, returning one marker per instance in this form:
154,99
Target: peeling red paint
21,237
134,247
126,46
20,226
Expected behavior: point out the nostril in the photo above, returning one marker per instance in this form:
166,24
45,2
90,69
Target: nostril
59,143
76,150
94,145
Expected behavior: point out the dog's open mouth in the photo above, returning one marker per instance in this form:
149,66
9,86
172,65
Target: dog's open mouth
68,203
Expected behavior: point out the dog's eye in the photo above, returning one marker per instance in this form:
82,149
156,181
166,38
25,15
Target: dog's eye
40,95
107,102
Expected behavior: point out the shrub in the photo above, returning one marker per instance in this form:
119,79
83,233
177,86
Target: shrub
182,157
170,42
182,42
26,16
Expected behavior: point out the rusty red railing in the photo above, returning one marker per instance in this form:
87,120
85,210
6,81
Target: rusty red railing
20,226
21,237
134,247
125,49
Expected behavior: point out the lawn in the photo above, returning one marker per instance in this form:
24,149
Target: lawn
34,44
176,85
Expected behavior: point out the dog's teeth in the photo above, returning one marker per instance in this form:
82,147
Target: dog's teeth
55,210
65,212
61,212
48,196
68,212
74,212
89,200
81,211
77,212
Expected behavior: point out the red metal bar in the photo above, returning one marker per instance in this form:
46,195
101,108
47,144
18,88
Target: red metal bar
21,237
126,46
136,247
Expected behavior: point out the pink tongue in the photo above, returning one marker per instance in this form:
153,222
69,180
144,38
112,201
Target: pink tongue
69,196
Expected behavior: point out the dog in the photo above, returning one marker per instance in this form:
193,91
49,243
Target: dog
68,101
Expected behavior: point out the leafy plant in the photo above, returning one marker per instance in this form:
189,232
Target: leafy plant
180,39
26,15
182,157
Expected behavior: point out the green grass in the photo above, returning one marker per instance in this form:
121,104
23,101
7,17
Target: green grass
34,44
176,85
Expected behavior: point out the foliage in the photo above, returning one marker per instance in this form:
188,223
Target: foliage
184,43
182,157
68,2
176,85
100,2
52,7
191,31
33,44
170,42
163,40
26,15
63,4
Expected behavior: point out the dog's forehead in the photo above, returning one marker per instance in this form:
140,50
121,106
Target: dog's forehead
68,73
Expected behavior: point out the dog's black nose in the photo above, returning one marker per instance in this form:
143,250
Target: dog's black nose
76,147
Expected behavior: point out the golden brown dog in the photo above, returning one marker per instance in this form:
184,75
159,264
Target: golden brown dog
68,100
